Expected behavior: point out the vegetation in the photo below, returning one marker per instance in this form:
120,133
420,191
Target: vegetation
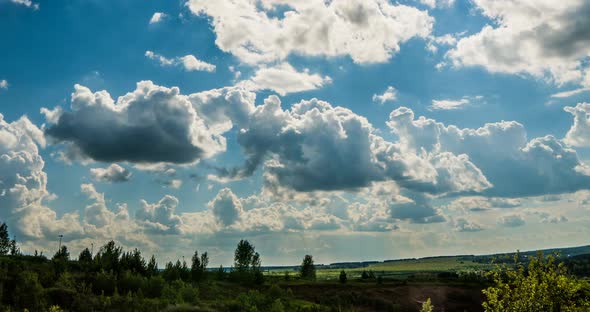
542,285
115,279
307,270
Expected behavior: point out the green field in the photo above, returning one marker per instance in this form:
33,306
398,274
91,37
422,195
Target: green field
402,269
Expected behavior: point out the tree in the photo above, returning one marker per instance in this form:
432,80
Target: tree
342,277
307,269
543,285
243,256
427,306
14,250
108,257
196,267
4,239
62,254
85,257
152,267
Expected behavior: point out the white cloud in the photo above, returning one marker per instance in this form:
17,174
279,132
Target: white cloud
449,104
438,3
160,217
545,39
112,174
157,17
3,84
367,31
284,79
512,165
479,203
390,95
579,134
226,207
464,225
511,221
27,3
188,62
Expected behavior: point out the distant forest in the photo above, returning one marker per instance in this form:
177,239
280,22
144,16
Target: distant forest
114,279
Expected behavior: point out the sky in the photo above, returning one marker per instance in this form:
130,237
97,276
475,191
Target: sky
351,130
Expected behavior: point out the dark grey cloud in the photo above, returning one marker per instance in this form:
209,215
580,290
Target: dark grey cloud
150,125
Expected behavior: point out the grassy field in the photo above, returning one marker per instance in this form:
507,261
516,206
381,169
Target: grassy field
402,269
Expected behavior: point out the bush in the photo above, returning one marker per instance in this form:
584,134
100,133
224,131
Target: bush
542,286
342,277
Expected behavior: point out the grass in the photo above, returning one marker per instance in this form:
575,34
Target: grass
401,269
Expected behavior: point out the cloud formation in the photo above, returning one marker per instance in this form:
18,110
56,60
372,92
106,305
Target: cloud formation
511,221
544,39
390,95
579,134
27,3
367,31
112,174
160,217
188,62
157,17
150,125
513,166
226,207
3,84
284,79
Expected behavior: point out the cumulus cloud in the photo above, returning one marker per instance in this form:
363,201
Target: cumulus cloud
579,134
153,124
390,95
317,147
511,221
418,209
545,39
27,3
188,62
479,203
513,166
449,104
284,79
226,207
367,31
157,17
3,84
160,217
438,3
464,225
23,184
112,174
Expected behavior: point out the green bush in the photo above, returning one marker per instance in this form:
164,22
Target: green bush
543,285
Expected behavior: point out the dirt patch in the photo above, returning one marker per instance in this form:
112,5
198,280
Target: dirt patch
393,297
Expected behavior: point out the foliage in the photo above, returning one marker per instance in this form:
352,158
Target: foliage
427,306
307,269
543,285
4,239
342,278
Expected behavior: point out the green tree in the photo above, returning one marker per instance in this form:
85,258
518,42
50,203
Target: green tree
152,267
14,250
543,285
342,277
62,254
108,257
4,239
196,268
243,256
307,269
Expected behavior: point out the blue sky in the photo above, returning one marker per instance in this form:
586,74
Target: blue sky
346,168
